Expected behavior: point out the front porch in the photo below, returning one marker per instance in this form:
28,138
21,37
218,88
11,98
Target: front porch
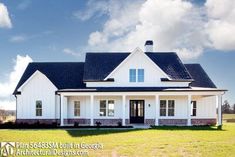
150,108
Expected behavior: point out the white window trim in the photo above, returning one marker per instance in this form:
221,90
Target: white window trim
166,107
38,108
74,108
107,109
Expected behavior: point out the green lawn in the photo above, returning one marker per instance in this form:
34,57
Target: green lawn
228,116
163,141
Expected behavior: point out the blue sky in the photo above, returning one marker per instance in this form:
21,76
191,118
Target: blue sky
48,30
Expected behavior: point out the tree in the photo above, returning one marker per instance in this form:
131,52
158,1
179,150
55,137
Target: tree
226,107
234,108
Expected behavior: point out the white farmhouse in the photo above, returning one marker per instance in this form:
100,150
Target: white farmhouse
153,88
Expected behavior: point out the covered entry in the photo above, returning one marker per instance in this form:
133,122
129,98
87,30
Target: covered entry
136,111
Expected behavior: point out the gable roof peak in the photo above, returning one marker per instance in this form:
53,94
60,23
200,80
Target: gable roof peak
137,49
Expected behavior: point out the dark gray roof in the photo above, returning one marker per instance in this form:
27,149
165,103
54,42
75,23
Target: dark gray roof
64,75
171,64
99,65
201,79
69,75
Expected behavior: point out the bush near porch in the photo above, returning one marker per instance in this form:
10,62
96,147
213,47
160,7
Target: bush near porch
163,141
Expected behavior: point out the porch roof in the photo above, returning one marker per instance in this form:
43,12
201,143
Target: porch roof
140,89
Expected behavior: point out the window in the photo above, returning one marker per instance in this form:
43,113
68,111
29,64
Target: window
171,107
194,108
140,75
76,108
162,107
107,108
102,107
111,108
134,78
38,108
167,108
132,75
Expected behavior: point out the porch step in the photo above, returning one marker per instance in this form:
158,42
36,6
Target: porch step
141,126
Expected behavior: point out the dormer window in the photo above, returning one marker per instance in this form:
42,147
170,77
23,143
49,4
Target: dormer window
140,75
136,75
132,75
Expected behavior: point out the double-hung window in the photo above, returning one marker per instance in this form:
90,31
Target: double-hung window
162,107
106,108
167,108
171,107
194,108
38,108
110,108
76,108
102,108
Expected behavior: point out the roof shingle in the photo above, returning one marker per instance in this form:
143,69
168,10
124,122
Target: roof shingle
99,65
64,75
200,77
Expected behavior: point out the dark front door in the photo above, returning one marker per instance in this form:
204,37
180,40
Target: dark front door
136,111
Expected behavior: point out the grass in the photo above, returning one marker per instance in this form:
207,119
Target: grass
228,116
161,141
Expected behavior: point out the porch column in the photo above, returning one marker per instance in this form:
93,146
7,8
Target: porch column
92,110
219,101
189,109
157,109
61,110
123,110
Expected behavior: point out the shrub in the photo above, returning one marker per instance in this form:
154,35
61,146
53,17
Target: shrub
54,124
98,124
119,124
219,127
76,124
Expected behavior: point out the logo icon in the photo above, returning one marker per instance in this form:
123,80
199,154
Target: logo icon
7,148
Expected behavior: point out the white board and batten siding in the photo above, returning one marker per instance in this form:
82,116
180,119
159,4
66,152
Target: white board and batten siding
206,107
38,87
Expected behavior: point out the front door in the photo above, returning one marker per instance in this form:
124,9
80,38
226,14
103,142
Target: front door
136,111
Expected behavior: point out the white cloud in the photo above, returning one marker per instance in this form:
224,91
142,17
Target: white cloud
25,37
94,9
71,52
5,21
174,25
17,39
96,38
221,23
7,88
